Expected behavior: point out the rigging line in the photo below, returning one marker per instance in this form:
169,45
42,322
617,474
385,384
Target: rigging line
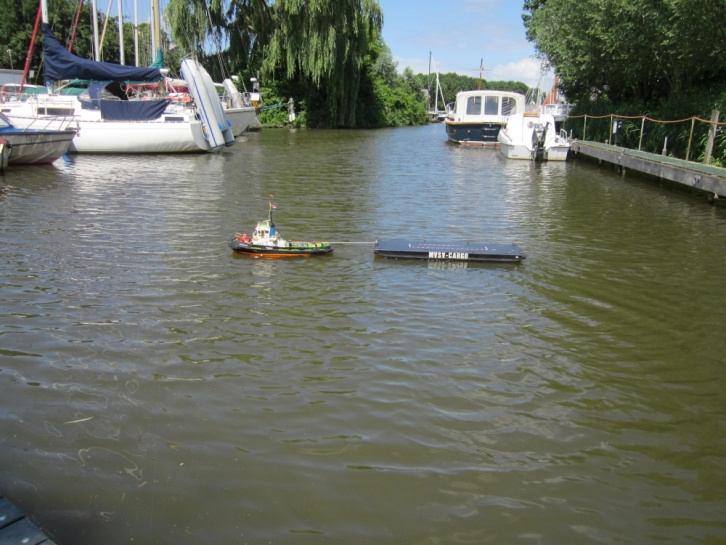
218,41
353,242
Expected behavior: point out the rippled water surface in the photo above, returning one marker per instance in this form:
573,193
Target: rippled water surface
156,388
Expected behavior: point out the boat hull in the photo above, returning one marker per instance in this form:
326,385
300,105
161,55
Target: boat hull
512,151
100,136
473,134
254,250
138,137
29,147
242,119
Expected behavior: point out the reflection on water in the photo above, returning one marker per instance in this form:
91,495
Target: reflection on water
157,388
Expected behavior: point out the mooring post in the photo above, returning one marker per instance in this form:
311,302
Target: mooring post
642,128
584,127
610,136
690,137
711,136
665,146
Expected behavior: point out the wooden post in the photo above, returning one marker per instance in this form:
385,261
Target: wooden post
610,136
584,127
665,147
642,129
711,136
690,138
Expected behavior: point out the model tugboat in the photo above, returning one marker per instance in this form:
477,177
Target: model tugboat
266,241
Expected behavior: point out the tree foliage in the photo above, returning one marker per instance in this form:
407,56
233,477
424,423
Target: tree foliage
630,49
16,28
323,44
206,28
451,83
386,98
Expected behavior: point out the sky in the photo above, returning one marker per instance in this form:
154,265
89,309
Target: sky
459,33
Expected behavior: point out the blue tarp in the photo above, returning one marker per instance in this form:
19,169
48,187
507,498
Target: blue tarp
132,110
122,110
61,64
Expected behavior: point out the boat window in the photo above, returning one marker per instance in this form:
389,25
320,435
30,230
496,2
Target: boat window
509,106
473,106
55,111
491,106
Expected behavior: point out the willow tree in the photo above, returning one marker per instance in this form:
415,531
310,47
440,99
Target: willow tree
234,28
323,44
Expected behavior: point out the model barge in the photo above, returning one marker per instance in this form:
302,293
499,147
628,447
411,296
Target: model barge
448,251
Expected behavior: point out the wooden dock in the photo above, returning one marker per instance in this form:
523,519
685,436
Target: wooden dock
17,529
706,178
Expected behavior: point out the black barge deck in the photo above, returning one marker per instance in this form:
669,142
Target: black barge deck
448,251
17,529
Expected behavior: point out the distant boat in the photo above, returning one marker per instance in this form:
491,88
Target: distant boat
556,105
436,115
532,135
477,116
32,146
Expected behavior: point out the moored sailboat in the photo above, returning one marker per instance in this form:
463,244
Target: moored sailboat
109,119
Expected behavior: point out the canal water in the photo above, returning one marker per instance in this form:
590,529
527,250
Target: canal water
156,388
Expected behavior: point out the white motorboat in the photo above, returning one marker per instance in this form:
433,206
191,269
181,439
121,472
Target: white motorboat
240,112
477,116
532,136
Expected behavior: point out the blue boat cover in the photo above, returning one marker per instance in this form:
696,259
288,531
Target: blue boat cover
132,110
61,64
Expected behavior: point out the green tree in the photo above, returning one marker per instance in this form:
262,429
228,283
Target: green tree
16,28
387,99
200,27
630,49
322,44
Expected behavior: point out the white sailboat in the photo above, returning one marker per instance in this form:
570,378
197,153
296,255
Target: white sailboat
108,122
436,115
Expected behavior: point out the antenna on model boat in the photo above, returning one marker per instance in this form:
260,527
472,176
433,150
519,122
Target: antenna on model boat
269,213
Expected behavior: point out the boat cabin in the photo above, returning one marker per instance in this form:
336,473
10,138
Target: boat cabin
477,116
486,106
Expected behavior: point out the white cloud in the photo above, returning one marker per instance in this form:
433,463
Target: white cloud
527,70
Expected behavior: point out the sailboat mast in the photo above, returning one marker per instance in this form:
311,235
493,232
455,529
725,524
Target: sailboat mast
122,58
428,86
96,46
136,32
156,29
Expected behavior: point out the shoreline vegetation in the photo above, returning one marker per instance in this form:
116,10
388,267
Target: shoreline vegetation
663,60
622,57
328,56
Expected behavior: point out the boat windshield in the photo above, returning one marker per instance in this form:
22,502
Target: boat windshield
473,106
5,122
509,106
491,106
